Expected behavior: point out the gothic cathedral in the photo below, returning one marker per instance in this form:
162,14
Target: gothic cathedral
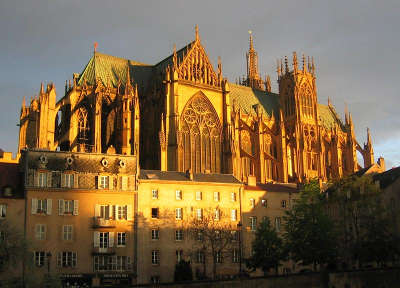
182,115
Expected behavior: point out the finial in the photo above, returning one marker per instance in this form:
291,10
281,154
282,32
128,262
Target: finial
294,62
304,64
95,47
286,65
23,102
251,41
268,84
278,68
346,112
197,32
329,101
175,58
281,67
41,88
309,63
312,66
128,75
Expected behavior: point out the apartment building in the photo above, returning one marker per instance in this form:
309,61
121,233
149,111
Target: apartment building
79,215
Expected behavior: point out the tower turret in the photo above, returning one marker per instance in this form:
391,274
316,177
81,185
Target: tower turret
253,77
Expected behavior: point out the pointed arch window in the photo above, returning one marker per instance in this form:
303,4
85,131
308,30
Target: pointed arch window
201,137
307,102
83,126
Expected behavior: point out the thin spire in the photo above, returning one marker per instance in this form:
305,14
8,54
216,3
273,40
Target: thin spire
268,84
312,66
369,141
41,88
346,112
23,102
175,58
196,28
278,68
251,46
294,62
95,44
286,65
329,101
304,64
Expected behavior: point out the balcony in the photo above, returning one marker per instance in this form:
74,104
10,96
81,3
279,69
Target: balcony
103,251
103,223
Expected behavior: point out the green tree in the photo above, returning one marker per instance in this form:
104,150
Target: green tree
309,232
183,271
268,249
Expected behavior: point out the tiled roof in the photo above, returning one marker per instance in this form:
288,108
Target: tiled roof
181,176
274,187
110,70
162,65
328,117
247,98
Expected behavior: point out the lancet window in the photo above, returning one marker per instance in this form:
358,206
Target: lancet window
201,136
83,126
307,103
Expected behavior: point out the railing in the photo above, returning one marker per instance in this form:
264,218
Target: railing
101,222
103,251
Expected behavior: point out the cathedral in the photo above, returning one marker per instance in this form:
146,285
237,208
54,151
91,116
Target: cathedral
183,115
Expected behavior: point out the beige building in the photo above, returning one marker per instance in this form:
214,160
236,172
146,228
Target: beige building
79,215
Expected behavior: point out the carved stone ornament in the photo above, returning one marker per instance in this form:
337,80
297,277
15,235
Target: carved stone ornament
104,162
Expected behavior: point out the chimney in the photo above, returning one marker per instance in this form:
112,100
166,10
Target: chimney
251,180
381,163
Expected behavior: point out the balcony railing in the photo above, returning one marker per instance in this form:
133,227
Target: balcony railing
103,251
103,223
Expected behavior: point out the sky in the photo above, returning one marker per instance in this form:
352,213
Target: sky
355,45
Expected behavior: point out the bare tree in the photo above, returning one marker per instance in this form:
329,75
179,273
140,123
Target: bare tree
214,236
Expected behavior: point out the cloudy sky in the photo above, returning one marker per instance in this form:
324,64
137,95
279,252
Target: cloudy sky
355,44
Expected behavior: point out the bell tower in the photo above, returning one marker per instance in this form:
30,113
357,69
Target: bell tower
298,97
253,77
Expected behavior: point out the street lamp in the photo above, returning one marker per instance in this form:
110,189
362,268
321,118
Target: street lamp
48,255
239,227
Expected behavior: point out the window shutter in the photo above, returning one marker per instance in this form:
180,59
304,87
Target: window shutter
49,206
129,212
128,262
98,182
35,178
115,212
111,239
111,182
49,176
97,210
110,211
45,231
60,207
34,206
63,180
76,207
74,259
76,180
96,239
59,259
37,231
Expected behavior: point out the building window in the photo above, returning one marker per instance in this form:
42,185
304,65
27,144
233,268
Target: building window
42,179
105,211
200,256
154,212
155,257
178,213
124,183
40,231
3,210
39,258
67,232
68,180
278,224
199,213
199,236
198,195
103,239
233,215
264,203
233,197
235,255
104,182
121,239
155,234
218,257
252,203
216,196
178,195
216,214
121,212
253,223
154,194
155,279
68,207
66,259
41,206
179,255
178,235
283,203
234,235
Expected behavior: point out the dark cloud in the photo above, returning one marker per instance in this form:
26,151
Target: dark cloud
355,45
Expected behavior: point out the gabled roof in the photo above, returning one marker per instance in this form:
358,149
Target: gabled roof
111,70
162,65
247,98
387,178
181,176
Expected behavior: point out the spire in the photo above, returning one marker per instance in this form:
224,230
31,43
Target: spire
219,68
286,65
329,101
304,64
268,83
294,62
23,102
281,67
95,44
369,141
128,76
251,46
346,113
278,68
196,28
312,66
175,59
41,88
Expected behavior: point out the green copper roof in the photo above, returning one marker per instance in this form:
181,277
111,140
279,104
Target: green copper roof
111,70
247,98
328,117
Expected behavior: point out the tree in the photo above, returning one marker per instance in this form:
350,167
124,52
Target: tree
214,237
268,249
183,271
367,228
309,232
